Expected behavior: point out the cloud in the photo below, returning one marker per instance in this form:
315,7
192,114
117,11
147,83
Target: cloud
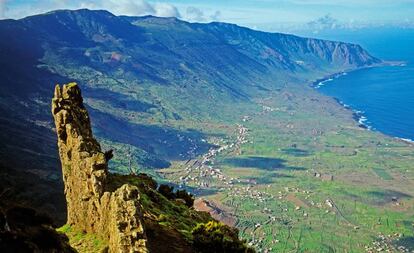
118,7
166,10
351,3
3,8
216,15
327,22
129,7
323,23
138,8
194,14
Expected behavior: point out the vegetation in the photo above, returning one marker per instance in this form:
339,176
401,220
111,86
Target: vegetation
281,205
83,242
216,237
166,220
168,192
162,106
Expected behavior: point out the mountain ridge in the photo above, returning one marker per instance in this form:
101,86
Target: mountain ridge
212,67
158,91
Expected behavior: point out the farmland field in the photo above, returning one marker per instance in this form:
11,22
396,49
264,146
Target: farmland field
307,178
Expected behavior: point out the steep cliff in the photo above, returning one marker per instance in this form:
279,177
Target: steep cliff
126,213
115,216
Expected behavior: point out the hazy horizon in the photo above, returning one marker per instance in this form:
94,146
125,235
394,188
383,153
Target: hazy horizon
266,15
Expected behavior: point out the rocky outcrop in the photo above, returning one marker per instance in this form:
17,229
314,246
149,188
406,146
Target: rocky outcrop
115,216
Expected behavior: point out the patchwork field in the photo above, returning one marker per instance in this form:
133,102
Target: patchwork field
307,178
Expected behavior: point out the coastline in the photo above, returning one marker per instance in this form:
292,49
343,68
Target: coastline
321,81
357,115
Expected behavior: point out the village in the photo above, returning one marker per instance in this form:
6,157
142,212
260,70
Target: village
201,172
284,207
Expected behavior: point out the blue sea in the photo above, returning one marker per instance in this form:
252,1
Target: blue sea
384,96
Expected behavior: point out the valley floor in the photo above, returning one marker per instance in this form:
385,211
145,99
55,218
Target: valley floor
298,174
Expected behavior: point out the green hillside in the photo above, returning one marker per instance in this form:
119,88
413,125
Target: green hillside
223,111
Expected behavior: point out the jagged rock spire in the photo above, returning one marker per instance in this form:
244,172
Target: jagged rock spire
114,216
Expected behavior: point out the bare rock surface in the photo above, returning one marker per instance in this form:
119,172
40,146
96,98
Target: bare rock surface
115,217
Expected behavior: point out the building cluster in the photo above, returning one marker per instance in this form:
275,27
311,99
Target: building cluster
201,171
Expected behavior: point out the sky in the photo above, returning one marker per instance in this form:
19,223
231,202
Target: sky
268,15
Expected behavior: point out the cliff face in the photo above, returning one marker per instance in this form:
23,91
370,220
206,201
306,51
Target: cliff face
114,216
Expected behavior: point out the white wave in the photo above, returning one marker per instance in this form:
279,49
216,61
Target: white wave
322,83
362,120
405,139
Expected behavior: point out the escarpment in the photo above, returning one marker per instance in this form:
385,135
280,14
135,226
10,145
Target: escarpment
115,216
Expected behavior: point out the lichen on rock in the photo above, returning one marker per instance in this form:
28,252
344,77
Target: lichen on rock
114,216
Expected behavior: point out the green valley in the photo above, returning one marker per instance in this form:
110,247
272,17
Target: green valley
225,112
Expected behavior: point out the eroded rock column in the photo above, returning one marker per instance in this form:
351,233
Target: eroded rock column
114,216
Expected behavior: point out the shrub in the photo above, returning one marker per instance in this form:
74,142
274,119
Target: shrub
187,197
215,237
166,191
147,181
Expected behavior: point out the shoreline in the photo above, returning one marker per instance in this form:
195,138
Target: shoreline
357,115
321,81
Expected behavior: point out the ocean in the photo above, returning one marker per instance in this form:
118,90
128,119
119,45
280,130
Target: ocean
382,96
